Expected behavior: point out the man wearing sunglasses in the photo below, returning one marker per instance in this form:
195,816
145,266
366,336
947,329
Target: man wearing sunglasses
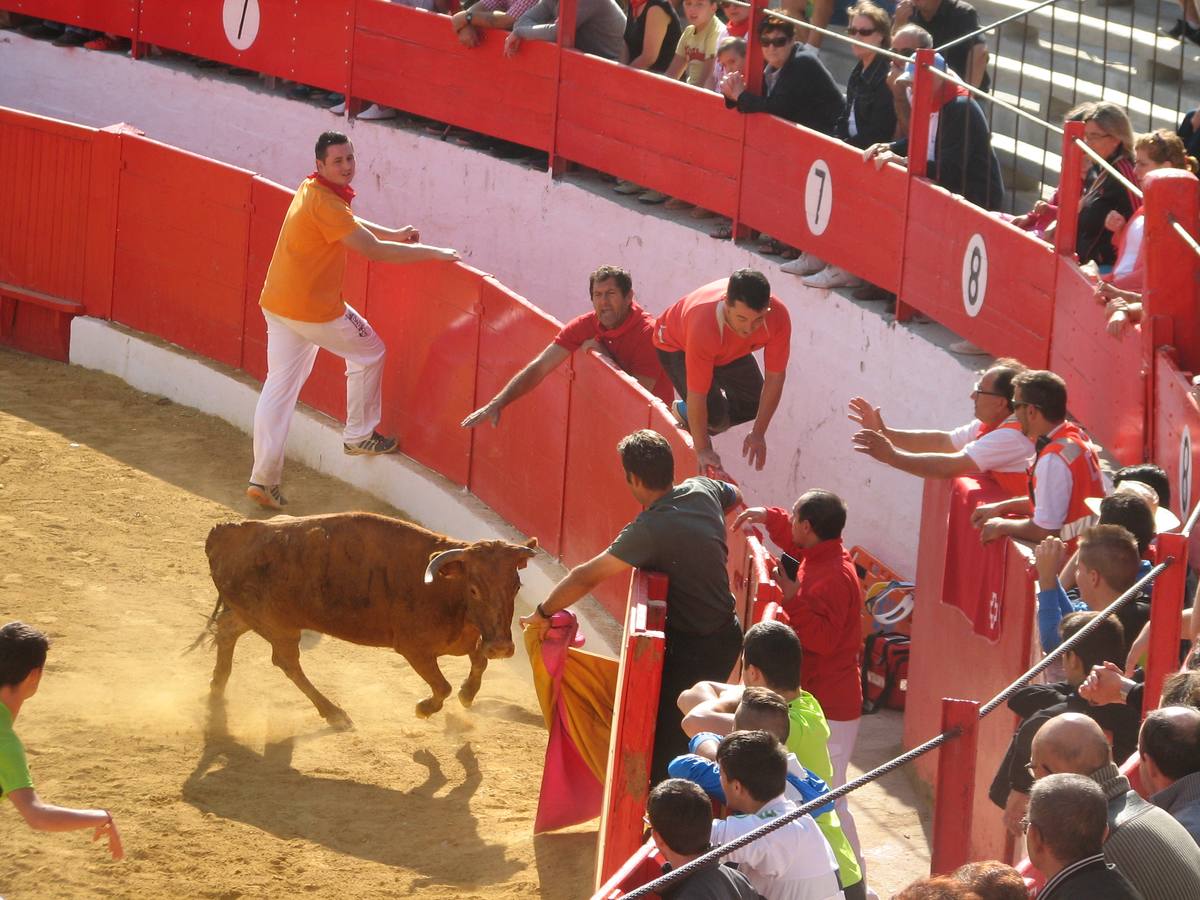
991,442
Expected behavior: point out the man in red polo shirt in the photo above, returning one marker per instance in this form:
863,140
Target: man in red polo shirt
616,327
706,343
824,605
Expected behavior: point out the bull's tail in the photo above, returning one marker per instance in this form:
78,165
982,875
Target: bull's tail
210,628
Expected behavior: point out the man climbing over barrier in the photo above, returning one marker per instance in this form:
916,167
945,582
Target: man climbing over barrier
1066,469
991,442
616,327
302,303
681,533
706,342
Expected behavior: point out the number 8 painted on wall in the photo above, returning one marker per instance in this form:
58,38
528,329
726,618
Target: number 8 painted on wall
974,275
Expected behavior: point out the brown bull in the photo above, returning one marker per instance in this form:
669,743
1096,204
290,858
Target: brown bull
366,579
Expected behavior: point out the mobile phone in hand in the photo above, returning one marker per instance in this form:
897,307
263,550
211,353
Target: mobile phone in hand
790,565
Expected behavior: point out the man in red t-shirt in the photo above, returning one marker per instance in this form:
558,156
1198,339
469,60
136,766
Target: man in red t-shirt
824,605
706,342
617,327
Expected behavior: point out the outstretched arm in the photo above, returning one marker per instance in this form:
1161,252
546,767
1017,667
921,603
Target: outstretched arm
42,816
406,235
361,240
521,384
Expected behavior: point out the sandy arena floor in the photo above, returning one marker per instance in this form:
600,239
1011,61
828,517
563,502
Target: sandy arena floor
106,496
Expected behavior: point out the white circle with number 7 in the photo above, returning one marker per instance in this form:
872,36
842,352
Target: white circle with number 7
241,20
818,197
974,275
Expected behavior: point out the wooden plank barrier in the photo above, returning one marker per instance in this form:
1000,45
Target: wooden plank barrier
631,747
117,17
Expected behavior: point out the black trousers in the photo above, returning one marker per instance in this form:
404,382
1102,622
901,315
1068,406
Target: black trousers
736,388
688,659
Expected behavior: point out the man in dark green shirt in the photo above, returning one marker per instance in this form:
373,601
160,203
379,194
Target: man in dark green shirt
22,660
681,533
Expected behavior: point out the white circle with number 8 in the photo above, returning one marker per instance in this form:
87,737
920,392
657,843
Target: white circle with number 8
241,20
818,197
974,275
1184,502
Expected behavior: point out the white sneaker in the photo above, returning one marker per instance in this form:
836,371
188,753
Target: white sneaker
966,348
339,110
804,264
377,113
832,277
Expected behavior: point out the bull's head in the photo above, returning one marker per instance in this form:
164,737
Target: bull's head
488,573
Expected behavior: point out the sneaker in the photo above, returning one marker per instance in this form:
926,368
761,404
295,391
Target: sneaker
1176,30
70,39
966,348
104,43
805,264
871,292
627,187
676,203
652,197
679,411
698,212
375,445
832,277
377,113
339,109
266,495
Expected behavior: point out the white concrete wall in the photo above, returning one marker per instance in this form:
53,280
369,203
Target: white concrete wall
542,237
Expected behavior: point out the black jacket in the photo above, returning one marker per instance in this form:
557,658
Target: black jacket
1089,879
804,93
963,159
868,95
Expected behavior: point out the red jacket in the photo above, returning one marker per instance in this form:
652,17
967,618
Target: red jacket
826,614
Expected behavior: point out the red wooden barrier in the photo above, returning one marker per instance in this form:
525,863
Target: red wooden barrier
428,314
606,405
1177,432
306,42
518,468
182,232
1162,657
627,783
1172,267
814,192
644,866
412,59
985,280
1106,375
663,134
955,789
114,16
948,651
270,203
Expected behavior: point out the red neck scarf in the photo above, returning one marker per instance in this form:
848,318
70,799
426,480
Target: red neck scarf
346,193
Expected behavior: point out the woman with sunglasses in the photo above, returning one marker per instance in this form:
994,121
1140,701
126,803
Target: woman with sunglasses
870,115
1107,132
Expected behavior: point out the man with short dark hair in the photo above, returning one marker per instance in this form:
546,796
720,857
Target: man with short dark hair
617,327
1064,832
681,533
22,663
1037,704
1066,470
1169,747
793,862
706,342
1150,848
302,303
680,816
992,442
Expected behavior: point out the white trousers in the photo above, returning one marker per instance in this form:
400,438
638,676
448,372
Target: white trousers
842,736
291,351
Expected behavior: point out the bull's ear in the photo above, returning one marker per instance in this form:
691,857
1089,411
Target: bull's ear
531,543
529,552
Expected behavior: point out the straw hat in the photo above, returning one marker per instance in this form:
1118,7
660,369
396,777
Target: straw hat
1164,519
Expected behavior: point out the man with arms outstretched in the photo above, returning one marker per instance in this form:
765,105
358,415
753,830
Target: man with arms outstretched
302,303
616,327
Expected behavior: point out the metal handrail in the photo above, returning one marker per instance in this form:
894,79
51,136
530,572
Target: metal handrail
984,95
1108,167
1195,249
986,28
800,23
1195,516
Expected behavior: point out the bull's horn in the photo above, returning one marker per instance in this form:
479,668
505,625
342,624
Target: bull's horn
438,560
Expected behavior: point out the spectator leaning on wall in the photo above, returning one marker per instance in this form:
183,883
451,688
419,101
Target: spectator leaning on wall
599,27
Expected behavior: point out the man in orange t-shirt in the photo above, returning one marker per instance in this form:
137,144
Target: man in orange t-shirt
302,303
706,343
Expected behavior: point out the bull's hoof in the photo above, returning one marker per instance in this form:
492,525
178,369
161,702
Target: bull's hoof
427,708
339,721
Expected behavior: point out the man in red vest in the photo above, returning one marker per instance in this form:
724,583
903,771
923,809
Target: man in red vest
991,442
1065,472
